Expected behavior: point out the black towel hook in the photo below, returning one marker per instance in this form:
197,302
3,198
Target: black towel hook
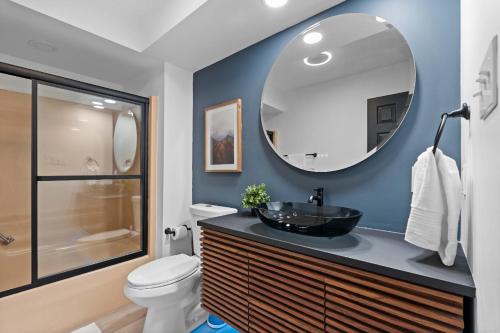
463,112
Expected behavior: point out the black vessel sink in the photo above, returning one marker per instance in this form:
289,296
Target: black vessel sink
309,219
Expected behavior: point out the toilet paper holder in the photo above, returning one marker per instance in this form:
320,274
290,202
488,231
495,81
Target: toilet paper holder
172,231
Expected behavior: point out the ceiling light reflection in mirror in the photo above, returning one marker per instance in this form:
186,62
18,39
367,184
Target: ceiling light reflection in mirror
321,59
312,37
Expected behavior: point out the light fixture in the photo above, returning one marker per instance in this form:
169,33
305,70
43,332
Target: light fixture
100,107
75,129
275,3
379,19
312,37
110,101
96,103
319,60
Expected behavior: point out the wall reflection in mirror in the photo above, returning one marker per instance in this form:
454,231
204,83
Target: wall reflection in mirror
338,92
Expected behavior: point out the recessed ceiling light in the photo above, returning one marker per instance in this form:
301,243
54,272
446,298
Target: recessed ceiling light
275,3
96,103
42,46
319,60
379,19
110,101
312,37
76,129
100,107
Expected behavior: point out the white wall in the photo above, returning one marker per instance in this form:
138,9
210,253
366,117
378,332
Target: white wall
151,83
481,166
174,85
177,161
337,108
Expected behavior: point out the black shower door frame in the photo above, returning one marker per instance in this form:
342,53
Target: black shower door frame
37,78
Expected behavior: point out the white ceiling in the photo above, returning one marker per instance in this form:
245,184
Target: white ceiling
102,38
131,23
77,50
358,43
220,28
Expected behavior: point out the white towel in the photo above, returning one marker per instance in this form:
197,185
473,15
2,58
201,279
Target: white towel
435,205
452,185
427,204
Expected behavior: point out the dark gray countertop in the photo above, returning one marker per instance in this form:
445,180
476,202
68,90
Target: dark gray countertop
372,250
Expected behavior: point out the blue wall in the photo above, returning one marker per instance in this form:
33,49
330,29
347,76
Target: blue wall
379,186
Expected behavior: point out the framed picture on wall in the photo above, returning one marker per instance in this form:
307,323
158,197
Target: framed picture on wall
223,135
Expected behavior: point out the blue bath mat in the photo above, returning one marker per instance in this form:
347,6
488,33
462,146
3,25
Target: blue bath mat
206,329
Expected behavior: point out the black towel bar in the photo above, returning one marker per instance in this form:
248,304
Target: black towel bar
463,112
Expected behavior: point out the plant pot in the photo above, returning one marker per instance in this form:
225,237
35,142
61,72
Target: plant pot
254,211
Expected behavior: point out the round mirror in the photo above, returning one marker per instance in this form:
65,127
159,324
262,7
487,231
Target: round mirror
125,141
338,92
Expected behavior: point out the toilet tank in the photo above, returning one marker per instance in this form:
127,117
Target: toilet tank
203,211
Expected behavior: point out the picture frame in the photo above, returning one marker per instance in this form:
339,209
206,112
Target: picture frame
223,137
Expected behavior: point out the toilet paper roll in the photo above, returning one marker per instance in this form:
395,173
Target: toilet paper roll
180,233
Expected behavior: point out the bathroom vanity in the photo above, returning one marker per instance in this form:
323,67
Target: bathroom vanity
260,279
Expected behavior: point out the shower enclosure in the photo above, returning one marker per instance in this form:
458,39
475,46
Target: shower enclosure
73,180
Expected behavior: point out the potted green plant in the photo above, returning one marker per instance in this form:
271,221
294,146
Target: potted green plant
255,195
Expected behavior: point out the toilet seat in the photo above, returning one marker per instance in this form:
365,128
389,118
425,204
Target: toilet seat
163,272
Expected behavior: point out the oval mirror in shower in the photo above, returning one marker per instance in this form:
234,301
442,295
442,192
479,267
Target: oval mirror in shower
338,92
125,141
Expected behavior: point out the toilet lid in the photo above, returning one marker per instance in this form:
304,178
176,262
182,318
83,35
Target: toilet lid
164,271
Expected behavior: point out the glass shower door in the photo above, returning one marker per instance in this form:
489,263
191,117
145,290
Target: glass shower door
15,182
73,178
88,179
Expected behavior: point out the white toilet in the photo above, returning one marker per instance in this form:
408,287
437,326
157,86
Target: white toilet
170,287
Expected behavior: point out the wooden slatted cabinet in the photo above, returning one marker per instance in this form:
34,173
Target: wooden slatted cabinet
260,288
279,292
225,280
374,303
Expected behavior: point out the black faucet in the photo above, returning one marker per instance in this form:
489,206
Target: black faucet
317,196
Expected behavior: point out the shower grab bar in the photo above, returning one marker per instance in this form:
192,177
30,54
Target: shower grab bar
6,240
